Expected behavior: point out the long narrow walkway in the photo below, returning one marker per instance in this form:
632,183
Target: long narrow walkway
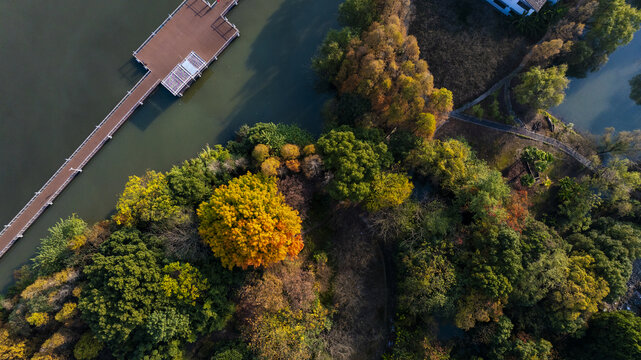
195,30
523,132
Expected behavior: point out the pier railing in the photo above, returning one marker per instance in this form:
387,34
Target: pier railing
49,200
159,27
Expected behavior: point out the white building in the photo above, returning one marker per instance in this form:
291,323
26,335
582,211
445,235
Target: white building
521,7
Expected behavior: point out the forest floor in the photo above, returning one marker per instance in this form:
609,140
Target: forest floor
467,44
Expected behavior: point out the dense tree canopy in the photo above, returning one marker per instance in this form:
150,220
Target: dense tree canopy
354,163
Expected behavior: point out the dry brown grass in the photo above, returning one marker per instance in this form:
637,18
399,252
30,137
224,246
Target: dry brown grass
468,44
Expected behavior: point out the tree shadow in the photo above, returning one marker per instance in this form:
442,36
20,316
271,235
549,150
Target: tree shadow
283,88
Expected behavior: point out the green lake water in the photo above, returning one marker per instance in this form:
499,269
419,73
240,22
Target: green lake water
66,63
602,99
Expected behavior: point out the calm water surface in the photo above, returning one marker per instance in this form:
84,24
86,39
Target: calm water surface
602,99
66,63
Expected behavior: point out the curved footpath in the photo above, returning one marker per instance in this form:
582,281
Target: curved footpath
175,54
523,132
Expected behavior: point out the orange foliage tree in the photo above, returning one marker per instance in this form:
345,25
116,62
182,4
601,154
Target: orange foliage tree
383,66
247,223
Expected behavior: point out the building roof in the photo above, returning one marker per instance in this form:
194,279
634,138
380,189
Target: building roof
536,4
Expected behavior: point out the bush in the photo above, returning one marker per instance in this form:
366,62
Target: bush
67,312
38,319
270,166
260,152
88,347
527,180
290,152
53,254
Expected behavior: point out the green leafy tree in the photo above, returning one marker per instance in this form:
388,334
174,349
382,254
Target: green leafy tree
275,136
54,253
88,347
354,163
539,159
145,199
613,335
427,278
357,14
576,202
542,88
388,190
331,53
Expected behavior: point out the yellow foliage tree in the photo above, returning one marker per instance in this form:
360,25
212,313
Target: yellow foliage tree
260,152
38,318
290,152
145,199
67,312
270,166
247,223
583,291
183,282
388,190
309,150
10,349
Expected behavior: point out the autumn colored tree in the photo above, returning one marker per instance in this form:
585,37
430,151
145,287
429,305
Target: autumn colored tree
260,152
270,166
11,349
145,199
290,152
383,66
247,223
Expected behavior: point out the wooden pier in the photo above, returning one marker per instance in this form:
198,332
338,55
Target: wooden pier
175,55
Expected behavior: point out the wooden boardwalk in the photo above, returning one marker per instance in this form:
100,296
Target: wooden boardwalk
195,26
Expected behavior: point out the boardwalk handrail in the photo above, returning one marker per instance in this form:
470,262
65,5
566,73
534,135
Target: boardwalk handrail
93,143
160,27
83,163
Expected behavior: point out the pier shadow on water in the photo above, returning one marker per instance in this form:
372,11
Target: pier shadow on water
132,71
159,101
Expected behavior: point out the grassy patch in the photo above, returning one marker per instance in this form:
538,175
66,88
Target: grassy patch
467,43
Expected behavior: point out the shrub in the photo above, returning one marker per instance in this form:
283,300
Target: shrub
67,312
527,180
88,347
270,166
260,152
293,165
38,319
309,150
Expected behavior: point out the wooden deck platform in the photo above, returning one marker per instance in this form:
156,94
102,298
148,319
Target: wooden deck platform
195,26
